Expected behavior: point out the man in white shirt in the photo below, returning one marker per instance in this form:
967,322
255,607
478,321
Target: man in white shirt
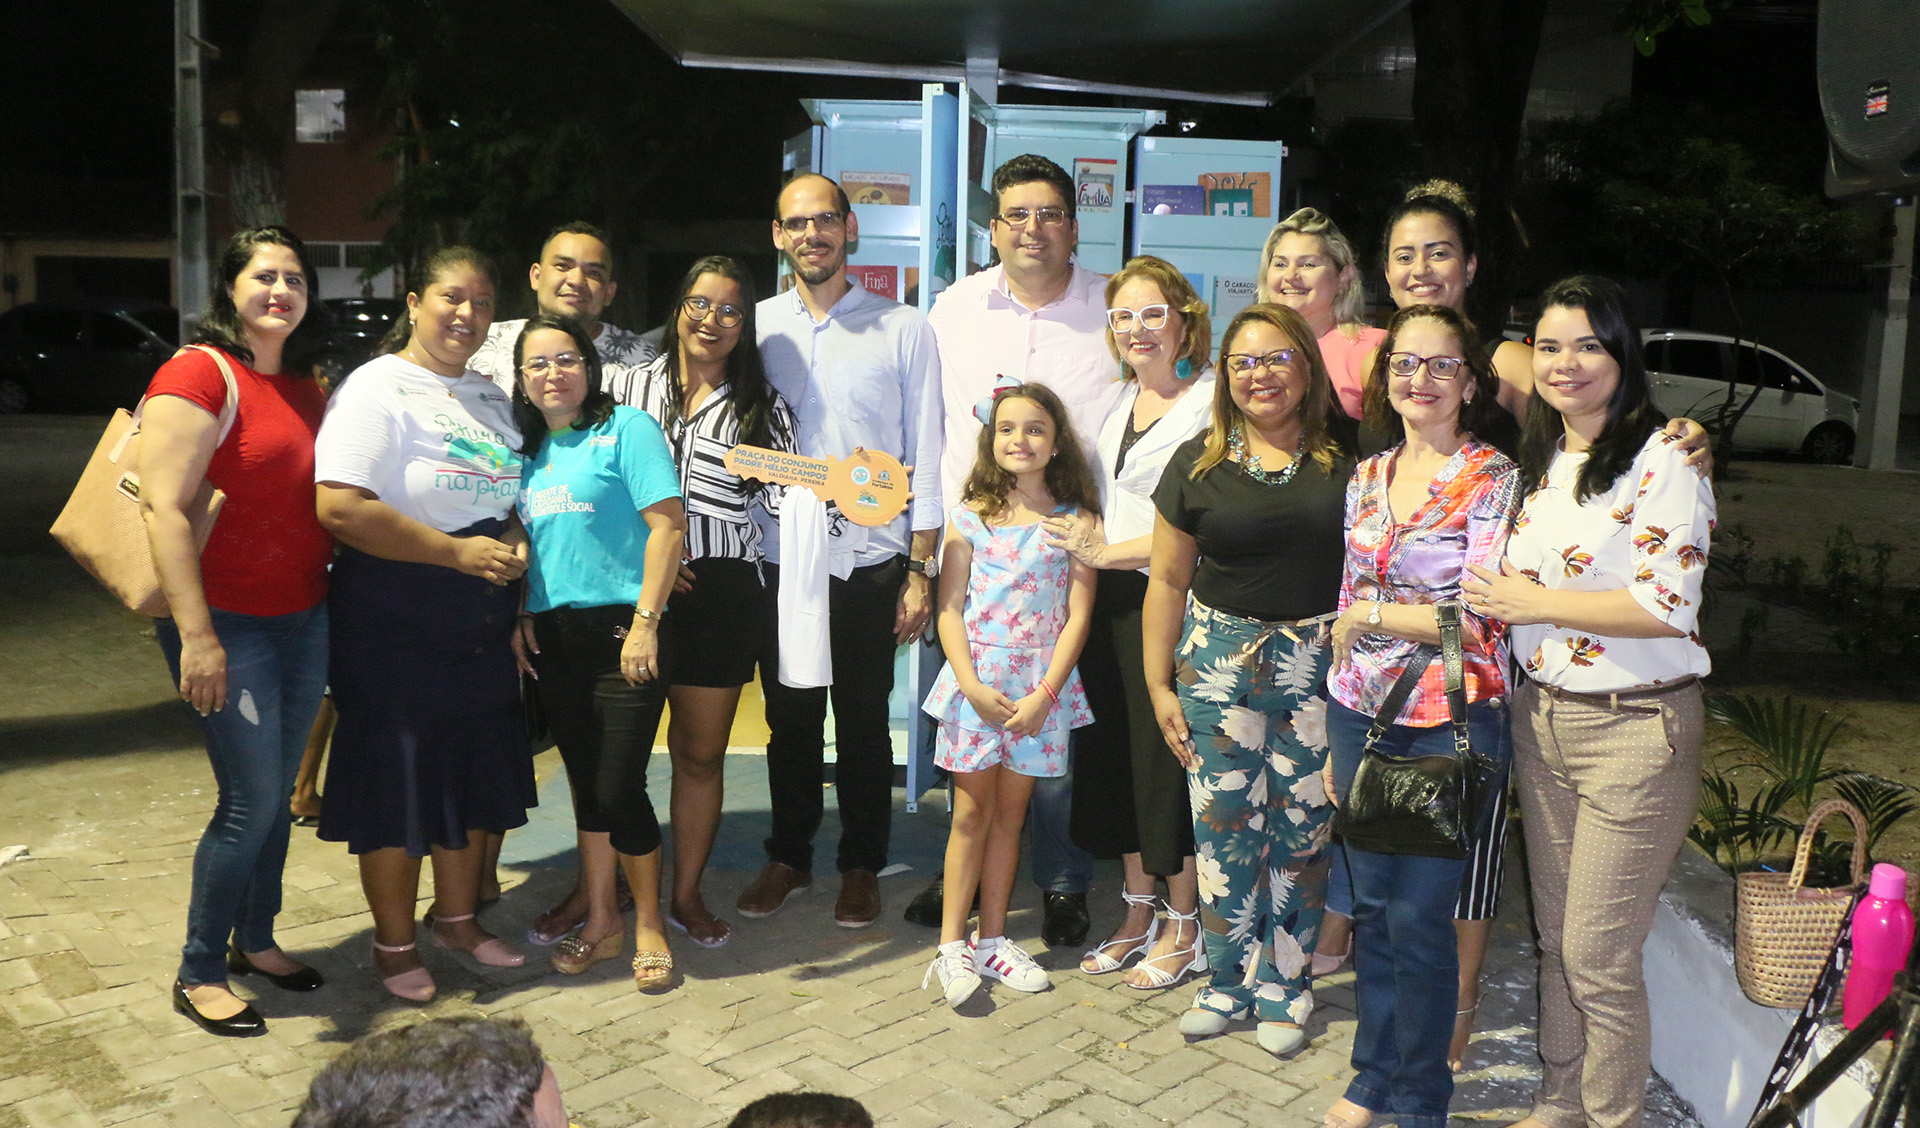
573,278
859,370
1037,315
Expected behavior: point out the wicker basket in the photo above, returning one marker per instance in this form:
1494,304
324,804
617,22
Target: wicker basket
1784,932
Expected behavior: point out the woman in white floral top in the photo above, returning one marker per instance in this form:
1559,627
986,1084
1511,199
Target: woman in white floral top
1601,586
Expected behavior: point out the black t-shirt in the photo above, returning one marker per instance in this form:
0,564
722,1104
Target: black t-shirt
1266,551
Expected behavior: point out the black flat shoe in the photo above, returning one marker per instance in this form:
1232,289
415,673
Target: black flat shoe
1065,923
246,1024
306,979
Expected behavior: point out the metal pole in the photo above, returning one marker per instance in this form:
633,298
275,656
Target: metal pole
1883,396
191,241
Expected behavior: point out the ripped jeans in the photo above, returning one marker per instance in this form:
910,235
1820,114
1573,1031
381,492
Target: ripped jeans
276,674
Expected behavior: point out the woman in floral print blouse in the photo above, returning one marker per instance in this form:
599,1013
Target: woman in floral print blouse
1417,516
1601,586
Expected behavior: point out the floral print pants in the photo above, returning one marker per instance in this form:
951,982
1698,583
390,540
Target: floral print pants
1254,696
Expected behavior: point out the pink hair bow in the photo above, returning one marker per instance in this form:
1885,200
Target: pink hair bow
983,411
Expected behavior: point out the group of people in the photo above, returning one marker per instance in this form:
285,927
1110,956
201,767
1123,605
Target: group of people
1175,591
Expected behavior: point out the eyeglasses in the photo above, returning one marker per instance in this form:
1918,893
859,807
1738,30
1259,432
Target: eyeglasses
1243,364
1020,217
1150,318
565,362
825,221
1405,364
725,316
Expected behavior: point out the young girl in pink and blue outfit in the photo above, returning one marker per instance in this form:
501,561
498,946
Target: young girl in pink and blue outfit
1013,616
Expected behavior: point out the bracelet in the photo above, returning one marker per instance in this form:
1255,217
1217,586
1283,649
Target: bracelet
1051,695
525,615
646,613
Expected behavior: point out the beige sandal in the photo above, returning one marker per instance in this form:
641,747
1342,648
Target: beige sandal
652,971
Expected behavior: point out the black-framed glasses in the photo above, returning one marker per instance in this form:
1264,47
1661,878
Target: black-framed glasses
825,221
1243,364
1151,318
1405,364
725,316
1020,217
565,362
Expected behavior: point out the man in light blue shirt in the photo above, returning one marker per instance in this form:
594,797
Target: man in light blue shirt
859,370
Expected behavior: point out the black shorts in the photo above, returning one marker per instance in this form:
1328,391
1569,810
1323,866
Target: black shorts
718,625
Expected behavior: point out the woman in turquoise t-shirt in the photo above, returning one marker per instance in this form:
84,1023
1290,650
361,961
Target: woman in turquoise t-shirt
600,500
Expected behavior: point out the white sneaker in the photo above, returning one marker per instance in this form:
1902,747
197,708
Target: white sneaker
953,963
1000,958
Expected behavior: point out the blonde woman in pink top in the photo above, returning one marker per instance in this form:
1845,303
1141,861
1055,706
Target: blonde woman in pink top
1309,265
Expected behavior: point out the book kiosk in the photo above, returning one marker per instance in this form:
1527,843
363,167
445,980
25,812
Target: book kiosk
912,172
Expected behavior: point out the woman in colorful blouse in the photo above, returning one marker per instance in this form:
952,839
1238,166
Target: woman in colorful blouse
1240,601
1601,586
1417,516
709,392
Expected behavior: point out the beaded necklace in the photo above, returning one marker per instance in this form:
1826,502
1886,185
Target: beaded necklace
1237,448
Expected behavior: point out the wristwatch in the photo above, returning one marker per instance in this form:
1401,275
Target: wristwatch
646,613
1373,616
930,567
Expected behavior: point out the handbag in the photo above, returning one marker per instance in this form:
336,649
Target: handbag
1782,931
101,525
1424,805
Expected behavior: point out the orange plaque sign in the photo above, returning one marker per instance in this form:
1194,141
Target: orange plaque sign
870,487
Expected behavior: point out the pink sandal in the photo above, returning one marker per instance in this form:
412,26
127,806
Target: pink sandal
493,951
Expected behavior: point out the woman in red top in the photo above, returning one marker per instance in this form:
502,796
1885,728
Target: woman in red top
247,639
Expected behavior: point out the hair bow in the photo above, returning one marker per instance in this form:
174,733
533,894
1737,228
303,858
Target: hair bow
983,411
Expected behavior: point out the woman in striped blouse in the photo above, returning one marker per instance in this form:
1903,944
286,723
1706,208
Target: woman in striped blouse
709,393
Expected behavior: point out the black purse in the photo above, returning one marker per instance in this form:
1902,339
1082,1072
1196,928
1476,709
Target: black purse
1425,805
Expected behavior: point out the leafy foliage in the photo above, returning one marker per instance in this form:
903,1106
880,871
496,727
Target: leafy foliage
1785,743
1645,20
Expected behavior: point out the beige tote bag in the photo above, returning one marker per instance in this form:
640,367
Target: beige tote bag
101,525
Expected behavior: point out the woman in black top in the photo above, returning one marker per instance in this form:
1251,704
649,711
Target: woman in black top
1249,523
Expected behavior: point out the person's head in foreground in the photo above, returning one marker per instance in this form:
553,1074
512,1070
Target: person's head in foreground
803,1110
445,1073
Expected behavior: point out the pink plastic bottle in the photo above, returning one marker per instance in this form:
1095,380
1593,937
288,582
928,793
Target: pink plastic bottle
1882,937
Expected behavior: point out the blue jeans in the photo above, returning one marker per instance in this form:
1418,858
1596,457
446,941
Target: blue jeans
1405,958
276,674
1059,866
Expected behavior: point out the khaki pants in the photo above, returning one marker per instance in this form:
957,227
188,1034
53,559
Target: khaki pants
1607,792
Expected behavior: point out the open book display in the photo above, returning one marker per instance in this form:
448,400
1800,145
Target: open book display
870,487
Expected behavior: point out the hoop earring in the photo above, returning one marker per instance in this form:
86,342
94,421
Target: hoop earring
1183,369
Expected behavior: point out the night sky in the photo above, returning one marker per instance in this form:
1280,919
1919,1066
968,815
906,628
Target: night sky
86,103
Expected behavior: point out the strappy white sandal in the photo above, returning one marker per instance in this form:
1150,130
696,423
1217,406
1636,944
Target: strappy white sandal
1158,980
1102,963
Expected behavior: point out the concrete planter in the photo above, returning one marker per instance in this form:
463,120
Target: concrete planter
1709,1041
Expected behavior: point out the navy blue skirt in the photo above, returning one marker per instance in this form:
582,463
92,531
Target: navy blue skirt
431,743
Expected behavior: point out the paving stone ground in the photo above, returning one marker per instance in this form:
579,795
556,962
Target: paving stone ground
103,781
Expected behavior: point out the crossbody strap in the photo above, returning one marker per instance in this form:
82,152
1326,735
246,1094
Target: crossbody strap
1402,689
1448,613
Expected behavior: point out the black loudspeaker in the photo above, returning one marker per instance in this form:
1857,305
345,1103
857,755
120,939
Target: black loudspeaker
1869,66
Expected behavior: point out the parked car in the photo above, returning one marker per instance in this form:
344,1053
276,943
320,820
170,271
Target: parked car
82,356
1791,412
358,325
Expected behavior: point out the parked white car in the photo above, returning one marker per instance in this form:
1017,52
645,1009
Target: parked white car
1793,411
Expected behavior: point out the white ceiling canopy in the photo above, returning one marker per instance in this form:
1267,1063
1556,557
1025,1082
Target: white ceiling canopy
1244,52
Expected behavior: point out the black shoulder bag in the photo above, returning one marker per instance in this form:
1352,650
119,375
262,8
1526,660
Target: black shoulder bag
1426,805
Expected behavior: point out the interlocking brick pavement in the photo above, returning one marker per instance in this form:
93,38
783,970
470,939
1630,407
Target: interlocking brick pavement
102,778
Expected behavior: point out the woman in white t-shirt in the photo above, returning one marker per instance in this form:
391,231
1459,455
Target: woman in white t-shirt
418,470
1601,585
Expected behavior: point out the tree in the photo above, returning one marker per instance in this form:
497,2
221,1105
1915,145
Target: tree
1674,201
1473,67
517,114
280,43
